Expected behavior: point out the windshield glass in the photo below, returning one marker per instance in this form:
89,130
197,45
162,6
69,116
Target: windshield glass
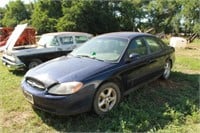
48,40
107,49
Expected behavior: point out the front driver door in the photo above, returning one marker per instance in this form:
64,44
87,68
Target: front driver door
136,70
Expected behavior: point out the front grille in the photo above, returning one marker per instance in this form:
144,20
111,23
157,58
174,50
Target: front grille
36,84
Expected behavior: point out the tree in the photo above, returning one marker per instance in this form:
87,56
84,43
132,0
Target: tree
88,16
191,15
15,13
161,13
45,15
130,14
2,12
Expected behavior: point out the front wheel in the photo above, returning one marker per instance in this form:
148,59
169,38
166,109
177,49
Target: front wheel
106,98
34,63
167,70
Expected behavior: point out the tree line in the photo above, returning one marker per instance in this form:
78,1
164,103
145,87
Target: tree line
101,16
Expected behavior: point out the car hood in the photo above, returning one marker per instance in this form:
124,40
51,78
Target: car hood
66,69
14,36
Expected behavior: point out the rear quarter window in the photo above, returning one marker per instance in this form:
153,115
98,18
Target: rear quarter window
154,45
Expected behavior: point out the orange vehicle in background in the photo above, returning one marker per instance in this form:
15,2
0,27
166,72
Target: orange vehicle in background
26,38
4,35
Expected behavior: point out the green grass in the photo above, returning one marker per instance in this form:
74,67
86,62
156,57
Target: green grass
161,106
188,62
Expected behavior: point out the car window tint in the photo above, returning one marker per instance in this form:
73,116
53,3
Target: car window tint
65,40
153,44
81,39
137,46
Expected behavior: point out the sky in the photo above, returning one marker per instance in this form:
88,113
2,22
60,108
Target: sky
4,2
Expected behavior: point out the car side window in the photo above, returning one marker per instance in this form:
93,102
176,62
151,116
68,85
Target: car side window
137,46
65,40
81,39
54,42
153,44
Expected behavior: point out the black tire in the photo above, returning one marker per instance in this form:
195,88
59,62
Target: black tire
106,98
167,70
34,63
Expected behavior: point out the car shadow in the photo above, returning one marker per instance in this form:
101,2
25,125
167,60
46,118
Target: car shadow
18,72
150,108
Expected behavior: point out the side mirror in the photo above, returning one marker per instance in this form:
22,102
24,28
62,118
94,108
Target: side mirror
132,56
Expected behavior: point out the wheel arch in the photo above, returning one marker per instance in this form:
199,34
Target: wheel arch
38,60
115,80
169,59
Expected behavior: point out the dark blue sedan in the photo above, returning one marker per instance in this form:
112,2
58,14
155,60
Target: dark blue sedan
96,75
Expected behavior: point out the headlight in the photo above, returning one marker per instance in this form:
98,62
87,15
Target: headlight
17,60
13,58
66,88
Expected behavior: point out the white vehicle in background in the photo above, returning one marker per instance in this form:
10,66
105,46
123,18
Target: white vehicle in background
50,45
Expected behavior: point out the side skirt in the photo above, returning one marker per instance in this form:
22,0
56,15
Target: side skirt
139,86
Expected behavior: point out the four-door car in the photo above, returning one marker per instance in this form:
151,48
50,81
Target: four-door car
96,75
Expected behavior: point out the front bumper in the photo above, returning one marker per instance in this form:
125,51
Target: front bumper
7,61
59,105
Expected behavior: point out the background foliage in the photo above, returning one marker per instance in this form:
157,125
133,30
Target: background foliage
168,16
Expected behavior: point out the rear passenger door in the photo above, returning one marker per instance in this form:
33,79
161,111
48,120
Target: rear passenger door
156,60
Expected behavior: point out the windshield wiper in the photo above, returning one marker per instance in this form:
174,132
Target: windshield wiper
98,59
87,56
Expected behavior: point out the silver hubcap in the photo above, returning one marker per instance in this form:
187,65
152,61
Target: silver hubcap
107,99
167,70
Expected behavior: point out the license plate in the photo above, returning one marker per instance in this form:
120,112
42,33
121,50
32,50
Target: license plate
29,97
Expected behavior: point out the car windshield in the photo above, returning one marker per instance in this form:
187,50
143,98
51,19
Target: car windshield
48,40
103,48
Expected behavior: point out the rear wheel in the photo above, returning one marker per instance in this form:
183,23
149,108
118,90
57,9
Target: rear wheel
34,63
106,98
167,70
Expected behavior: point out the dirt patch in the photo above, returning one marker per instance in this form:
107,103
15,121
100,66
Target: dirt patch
188,54
169,84
190,51
192,71
16,118
192,48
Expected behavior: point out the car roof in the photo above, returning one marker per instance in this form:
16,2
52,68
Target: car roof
68,33
127,35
